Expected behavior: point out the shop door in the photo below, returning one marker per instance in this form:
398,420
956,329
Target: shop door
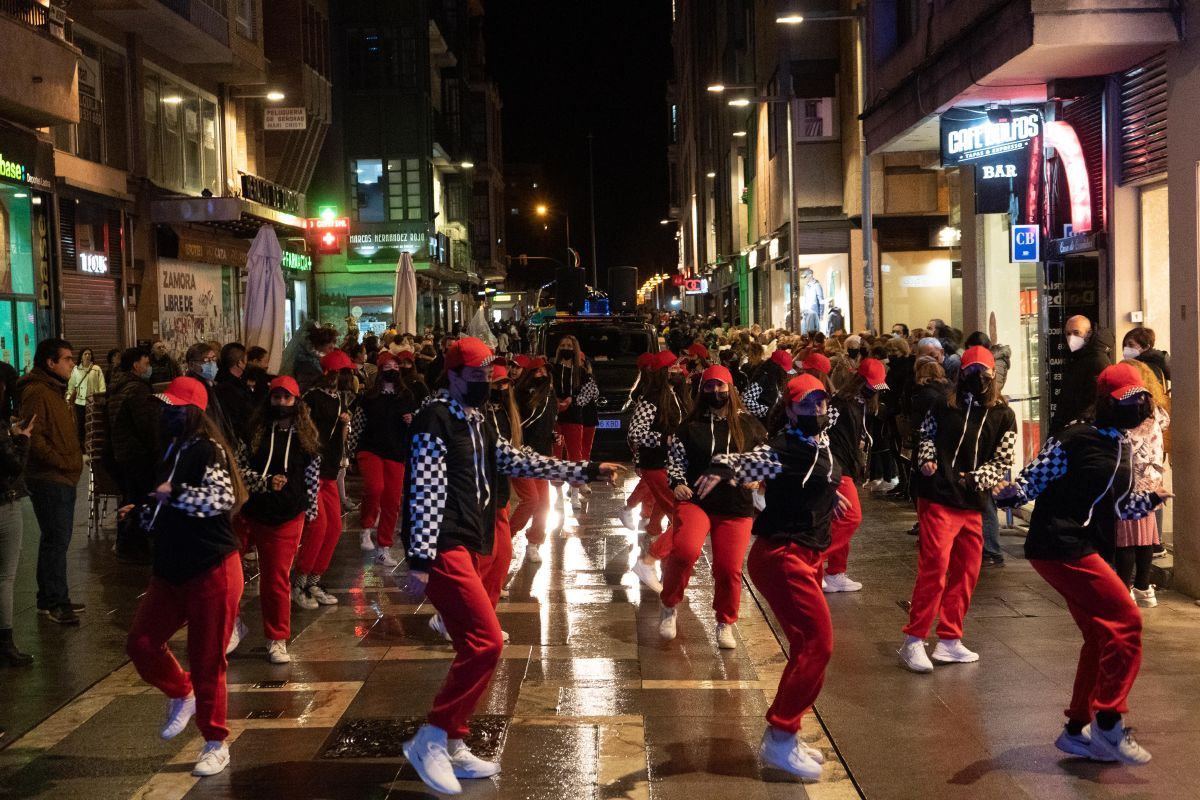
92,313
1070,287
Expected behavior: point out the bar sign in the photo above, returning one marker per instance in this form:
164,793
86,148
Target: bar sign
1026,244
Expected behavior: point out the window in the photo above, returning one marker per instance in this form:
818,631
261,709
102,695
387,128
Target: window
182,135
404,189
371,57
369,196
100,134
456,201
245,18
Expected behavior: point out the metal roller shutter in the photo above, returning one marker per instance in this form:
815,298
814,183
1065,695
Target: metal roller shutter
1143,104
92,316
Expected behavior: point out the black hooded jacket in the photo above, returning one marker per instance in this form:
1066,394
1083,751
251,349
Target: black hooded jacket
691,452
972,447
1080,369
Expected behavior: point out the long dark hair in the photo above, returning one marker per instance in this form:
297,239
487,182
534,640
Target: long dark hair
530,395
198,425
672,406
852,390
306,429
742,424
992,399
508,406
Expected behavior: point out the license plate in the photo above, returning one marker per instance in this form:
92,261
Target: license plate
609,424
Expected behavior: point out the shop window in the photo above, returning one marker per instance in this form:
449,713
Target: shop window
16,246
918,286
369,196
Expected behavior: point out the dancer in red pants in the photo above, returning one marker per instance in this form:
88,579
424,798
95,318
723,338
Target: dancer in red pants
717,424
792,533
197,574
501,411
640,496
332,408
450,507
536,404
1083,483
384,415
965,449
851,444
282,472
663,405
576,391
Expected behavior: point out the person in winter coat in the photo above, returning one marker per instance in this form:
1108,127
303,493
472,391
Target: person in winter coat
1089,353
766,383
536,404
966,448
133,443
197,578
1081,483
163,367
87,380
792,533
384,416
203,363
450,511
14,447
234,393
716,424
281,467
1139,343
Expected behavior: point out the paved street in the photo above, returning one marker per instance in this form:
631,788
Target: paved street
588,702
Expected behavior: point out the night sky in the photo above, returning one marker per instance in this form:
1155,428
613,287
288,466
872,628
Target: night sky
565,68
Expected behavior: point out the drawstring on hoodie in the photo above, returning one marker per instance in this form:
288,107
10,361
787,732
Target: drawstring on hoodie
1111,480
483,492
978,434
287,451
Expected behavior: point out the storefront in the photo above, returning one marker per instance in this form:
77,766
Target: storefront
200,286
297,279
919,280
92,233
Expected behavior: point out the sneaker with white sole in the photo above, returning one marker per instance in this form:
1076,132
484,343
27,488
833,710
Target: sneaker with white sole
533,555
504,635
317,592
912,655
367,543
666,623
301,599
277,652
648,575
468,765
953,651
428,755
1144,599
236,635
630,519
214,758
839,583
1117,744
384,558
437,626
885,486
179,712
785,752
1075,744
812,752
725,640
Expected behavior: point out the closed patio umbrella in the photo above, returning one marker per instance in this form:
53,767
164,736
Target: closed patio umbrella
266,297
404,299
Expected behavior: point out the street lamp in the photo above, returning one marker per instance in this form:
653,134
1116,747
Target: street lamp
542,210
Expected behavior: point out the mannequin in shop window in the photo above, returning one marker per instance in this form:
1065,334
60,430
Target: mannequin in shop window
812,305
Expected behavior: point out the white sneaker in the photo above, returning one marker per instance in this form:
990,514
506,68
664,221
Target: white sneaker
666,623
839,583
1117,745
630,518
812,752
179,713
428,755
214,758
885,486
251,555
725,640
277,652
953,651
648,575
1079,744
367,544
504,635
384,558
1146,599
912,655
786,753
533,553
302,599
235,638
871,486
437,626
324,598
468,765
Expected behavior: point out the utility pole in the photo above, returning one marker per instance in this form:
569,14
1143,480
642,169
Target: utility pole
592,189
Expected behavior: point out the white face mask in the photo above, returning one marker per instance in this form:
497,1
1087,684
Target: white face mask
1131,352
1075,342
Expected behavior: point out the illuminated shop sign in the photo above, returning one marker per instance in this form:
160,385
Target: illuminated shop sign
695,286
297,261
11,170
94,263
965,139
1006,157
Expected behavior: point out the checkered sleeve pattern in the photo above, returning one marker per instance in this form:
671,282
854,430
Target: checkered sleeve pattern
760,464
526,463
427,495
1137,505
992,471
212,498
256,482
312,485
1048,466
751,401
640,434
927,447
358,423
677,462
588,393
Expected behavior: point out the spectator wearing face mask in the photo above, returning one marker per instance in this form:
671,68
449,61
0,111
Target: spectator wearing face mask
133,439
1087,356
1139,344
203,364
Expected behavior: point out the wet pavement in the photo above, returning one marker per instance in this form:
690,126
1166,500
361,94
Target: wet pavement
588,702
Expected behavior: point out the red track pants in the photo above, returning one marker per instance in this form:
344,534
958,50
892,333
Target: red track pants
277,546
1112,633
457,592
383,492
788,575
730,538
533,503
664,505
320,536
640,496
208,605
493,569
578,440
947,569
843,528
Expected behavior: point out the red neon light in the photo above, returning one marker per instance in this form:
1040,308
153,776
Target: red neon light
329,239
337,224
1062,137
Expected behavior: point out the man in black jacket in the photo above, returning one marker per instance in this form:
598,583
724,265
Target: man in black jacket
236,397
1087,357
133,441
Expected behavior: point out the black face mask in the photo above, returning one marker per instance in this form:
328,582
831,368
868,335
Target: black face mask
868,392
856,352
389,375
497,397
1125,417
675,379
811,425
716,399
281,412
174,421
976,384
477,393
566,355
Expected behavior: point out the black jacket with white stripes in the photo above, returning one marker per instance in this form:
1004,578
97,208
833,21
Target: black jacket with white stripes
763,392
537,428
575,383
337,443
646,437
692,450
972,446
848,437
279,453
450,490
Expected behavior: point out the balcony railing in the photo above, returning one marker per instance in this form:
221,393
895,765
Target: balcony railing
50,21
209,16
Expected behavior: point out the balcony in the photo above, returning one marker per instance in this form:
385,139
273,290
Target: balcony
40,85
192,31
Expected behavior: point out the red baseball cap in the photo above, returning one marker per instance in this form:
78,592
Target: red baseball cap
499,373
285,382
872,370
469,352
716,373
817,362
185,391
405,356
784,359
336,360
978,355
645,361
386,358
664,359
1120,381
523,361
802,386
698,350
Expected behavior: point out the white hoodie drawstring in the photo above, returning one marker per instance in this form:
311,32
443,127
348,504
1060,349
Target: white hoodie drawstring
483,492
1108,486
963,435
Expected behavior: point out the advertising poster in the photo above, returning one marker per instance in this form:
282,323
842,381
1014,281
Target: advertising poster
195,304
